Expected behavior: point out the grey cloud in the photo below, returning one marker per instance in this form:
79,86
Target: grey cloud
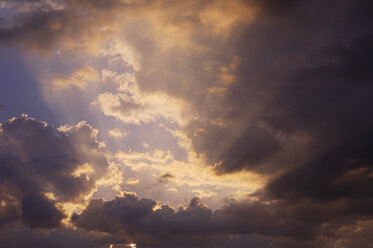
10,210
33,30
344,172
165,178
38,211
294,77
18,236
276,7
100,4
46,25
300,223
36,159
249,151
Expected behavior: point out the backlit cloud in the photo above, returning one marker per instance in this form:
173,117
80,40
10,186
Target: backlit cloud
42,167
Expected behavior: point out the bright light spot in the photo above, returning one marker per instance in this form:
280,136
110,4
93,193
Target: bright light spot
50,196
131,245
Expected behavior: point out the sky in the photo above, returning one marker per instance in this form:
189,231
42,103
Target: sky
186,124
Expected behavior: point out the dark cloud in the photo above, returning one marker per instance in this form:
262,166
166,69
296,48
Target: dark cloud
38,211
10,210
135,218
36,160
301,223
249,151
165,177
100,4
302,88
46,25
278,8
320,94
344,172
34,30
16,236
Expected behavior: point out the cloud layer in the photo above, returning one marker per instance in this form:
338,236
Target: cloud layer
279,89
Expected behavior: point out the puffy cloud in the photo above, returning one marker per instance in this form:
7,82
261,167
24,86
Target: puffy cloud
301,223
39,169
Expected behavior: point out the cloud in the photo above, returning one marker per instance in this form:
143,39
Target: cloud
170,180
38,169
10,209
44,25
34,5
78,79
116,133
301,223
344,172
261,87
14,237
293,101
39,211
132,106
166,177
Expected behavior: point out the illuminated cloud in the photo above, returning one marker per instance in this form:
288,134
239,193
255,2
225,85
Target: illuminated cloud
170,180
116,133
131,105
78,79
139,109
